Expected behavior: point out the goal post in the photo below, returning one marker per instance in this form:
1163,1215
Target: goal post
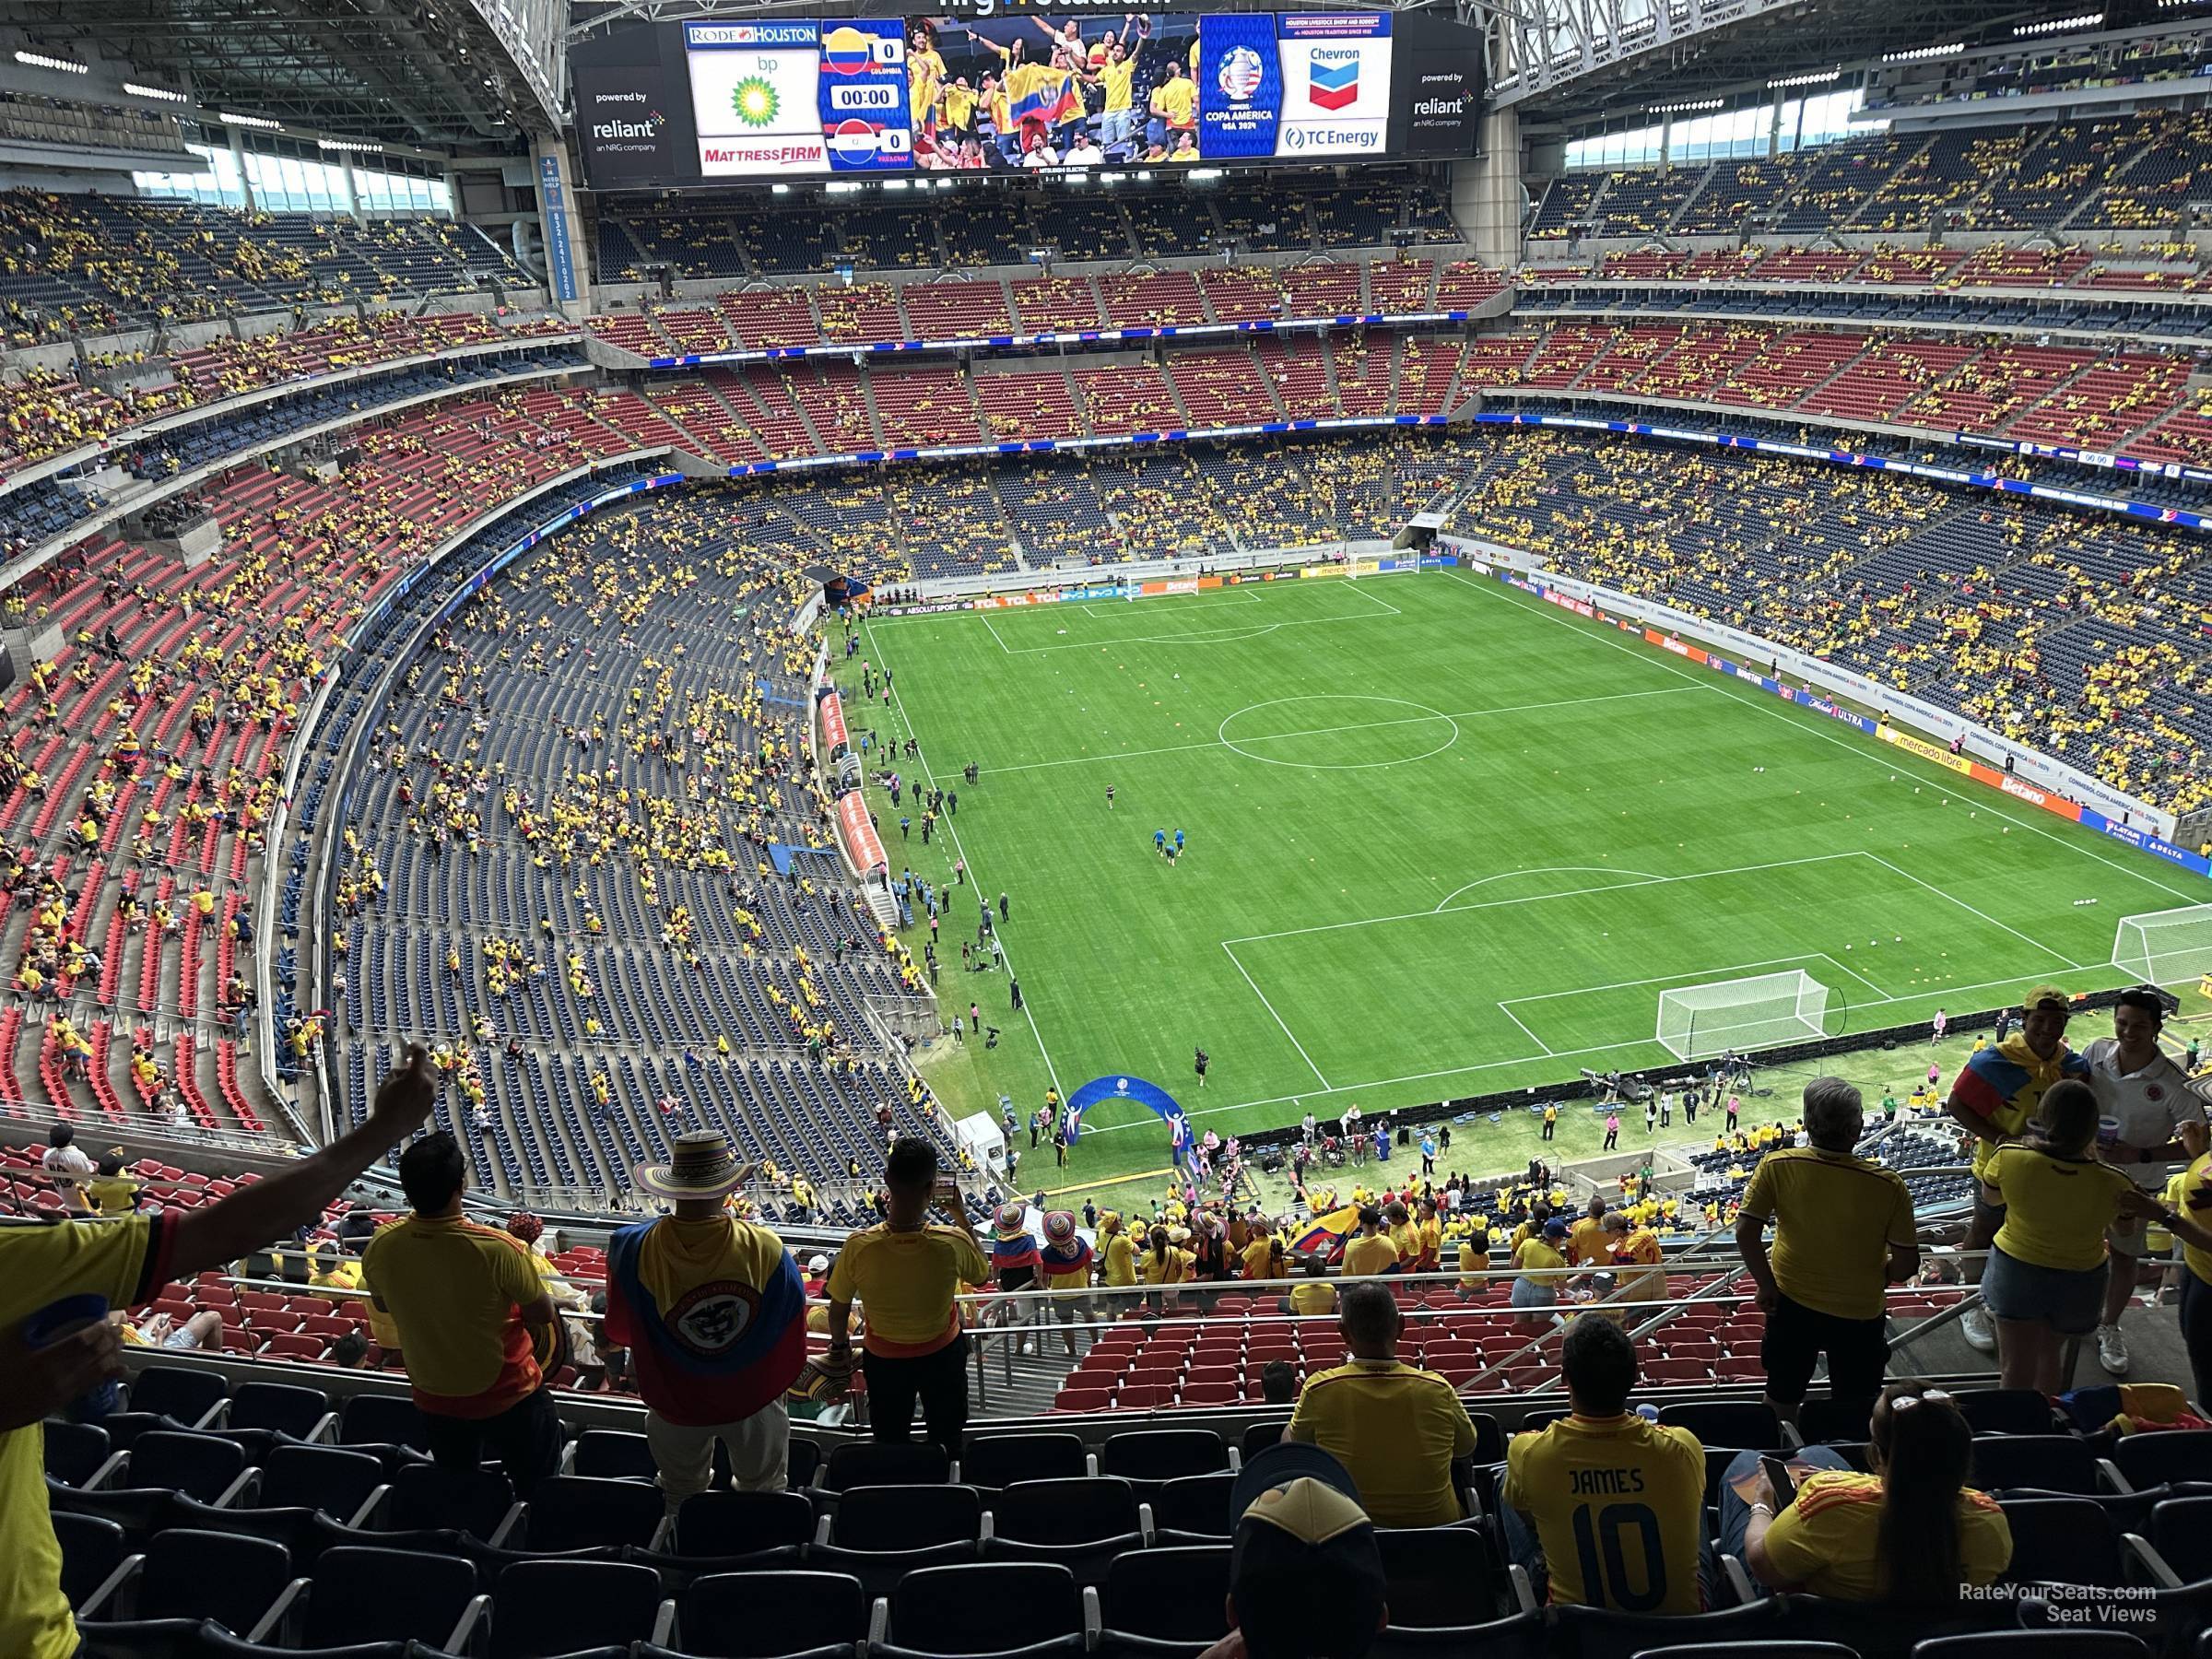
2162,948
1699,1022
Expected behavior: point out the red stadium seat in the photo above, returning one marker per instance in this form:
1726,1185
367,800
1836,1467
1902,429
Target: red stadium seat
1676,1370
287,1346
1082,1399
1143,1397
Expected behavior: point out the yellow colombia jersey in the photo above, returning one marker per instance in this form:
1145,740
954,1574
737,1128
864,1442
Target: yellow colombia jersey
1619,1507
1829,1540
2191,1193
2055,1208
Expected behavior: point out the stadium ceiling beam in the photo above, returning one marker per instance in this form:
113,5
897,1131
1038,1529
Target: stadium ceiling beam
591,15
382,69
1577,59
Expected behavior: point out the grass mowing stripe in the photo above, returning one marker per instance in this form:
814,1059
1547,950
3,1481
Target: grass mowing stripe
1599,631
1663,833
974,875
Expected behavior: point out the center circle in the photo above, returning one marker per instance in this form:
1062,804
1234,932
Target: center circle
1333,729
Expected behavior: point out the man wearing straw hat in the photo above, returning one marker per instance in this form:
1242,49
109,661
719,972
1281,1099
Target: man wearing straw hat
1065,1263
714,1312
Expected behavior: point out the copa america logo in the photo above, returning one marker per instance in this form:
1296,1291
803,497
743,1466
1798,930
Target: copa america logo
1240,74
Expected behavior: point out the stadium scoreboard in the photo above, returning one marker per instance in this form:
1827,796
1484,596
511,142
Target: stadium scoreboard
707,102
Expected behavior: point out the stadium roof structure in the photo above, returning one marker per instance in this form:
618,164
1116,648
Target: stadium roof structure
434,73
1576,59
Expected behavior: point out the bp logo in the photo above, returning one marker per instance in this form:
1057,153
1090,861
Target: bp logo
755,101
1241,73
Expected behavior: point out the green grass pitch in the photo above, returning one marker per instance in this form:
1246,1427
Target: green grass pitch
1442,838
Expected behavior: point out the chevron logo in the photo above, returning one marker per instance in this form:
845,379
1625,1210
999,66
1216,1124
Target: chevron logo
1333,86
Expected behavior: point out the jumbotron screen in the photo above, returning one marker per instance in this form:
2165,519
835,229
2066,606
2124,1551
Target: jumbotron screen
706,103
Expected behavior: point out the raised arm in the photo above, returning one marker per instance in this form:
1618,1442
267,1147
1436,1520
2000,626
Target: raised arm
280,1204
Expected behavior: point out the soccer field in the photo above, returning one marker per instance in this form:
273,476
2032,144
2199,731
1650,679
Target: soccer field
1442,838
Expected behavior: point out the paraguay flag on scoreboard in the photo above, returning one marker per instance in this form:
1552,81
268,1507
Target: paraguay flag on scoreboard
868,124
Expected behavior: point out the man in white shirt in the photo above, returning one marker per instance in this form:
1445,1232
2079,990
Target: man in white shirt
2160,1123
68,1167
1083,152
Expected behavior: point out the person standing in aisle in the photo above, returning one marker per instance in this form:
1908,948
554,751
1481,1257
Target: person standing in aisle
2157,1120
713,1313
908,1272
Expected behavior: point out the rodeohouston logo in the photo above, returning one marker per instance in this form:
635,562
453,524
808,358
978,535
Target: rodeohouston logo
1136,1091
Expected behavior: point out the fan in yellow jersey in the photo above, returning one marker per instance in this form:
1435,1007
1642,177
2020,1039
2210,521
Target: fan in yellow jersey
1613,1505
2044,1278
1910,1533
121,1264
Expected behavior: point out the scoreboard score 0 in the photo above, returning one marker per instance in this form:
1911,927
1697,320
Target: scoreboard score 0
707,103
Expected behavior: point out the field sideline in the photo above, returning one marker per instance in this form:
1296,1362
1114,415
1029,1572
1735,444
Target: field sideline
1442,838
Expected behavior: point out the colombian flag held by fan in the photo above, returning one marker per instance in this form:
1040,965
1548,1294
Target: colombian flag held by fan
1043,95
1325,1235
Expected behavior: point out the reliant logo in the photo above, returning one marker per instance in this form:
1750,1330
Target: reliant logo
626,129
1441,106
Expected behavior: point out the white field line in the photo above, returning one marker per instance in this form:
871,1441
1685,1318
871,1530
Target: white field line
1615,887
1028,1006
1971,910
1277,1018
1524,1030
1607,1048
1715,682
1364,726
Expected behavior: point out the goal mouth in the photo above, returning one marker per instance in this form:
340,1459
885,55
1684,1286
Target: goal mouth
1721,1016
2165,947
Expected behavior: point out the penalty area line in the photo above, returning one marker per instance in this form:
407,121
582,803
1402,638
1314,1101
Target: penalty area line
1278,1019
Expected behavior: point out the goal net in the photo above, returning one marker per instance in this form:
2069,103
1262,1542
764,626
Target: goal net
1698,1022
2161,947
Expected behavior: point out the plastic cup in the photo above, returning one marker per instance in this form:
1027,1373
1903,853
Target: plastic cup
59,1319
2108,1132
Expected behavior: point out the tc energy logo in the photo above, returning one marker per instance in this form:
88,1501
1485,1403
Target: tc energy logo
1332,78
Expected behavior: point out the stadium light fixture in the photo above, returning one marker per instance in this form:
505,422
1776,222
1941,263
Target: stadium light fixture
778,190
42,59
139,89
259,122
1685,107
2054,24
1920,53
894,184
1203,175
364,146
1817,77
